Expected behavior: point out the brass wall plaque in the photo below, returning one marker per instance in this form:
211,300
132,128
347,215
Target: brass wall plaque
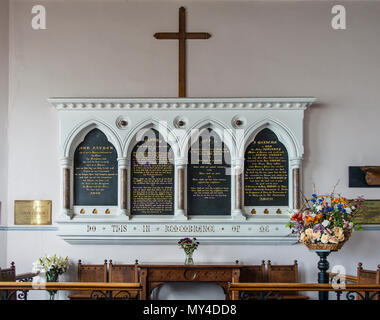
33,212
370,213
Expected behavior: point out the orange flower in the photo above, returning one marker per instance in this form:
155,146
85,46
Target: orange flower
310,219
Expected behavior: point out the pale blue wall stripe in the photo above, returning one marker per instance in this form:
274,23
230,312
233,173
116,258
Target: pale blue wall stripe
37,228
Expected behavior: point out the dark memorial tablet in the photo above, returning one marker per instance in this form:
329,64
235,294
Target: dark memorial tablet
208,176
95,171
266,177
364,177
152,176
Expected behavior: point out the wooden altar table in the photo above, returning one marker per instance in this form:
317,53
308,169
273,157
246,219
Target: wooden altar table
155,275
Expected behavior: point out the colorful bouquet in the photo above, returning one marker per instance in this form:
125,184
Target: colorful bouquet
325,219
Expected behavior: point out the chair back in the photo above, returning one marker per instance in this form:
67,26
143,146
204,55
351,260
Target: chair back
254,273
367,277
283,274
8,275
122,272
92,272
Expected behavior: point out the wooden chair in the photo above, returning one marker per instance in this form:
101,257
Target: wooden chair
367,277
89,273
285,274
8,275
127,273
253,273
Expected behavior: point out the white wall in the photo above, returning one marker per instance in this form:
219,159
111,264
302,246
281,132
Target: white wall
100,48
4,72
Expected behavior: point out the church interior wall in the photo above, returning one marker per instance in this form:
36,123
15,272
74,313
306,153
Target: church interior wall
257,49
4,64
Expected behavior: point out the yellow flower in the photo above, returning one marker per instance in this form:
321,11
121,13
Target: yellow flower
304,238
325,238
338,232
333,240
309,232
341,237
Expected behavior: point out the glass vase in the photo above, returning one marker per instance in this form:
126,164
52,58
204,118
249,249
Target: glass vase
189,258
52,276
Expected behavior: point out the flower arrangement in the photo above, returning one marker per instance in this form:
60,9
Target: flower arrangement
51,265
189,246
325,220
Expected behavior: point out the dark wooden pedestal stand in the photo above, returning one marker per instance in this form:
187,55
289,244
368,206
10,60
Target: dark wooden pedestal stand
323,276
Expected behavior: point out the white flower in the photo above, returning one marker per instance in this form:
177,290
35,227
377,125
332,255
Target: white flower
48,263
348,210
313,215
318,208
316,236
325,223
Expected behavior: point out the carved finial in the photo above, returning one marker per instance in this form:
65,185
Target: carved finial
12,264
236,261
295,262
360,265
378,267
269,263
136,261
110,261
263,262
105,261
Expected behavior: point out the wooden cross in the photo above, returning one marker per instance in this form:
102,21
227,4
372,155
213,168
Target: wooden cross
182,36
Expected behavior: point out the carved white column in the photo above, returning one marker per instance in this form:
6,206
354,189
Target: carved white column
295,166
237,178
67,190
123,186
180,212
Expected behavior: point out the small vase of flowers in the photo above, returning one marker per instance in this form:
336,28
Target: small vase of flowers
189,246
325,222
51,267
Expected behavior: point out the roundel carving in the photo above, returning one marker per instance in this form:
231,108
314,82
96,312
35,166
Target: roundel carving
190,274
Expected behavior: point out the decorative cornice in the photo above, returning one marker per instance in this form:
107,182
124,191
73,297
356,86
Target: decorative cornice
181,103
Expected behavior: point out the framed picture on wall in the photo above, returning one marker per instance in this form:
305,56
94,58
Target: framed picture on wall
370,213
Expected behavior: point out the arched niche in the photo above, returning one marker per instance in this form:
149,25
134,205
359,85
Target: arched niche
266,172
208,175
79,132
152,175
95,174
